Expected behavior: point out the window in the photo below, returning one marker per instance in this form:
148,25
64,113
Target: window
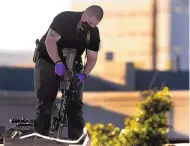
109,56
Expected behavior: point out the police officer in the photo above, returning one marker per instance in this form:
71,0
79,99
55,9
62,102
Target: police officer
50,66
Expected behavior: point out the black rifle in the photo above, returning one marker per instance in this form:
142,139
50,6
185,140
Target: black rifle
68,89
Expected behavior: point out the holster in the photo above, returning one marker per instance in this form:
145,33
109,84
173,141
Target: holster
36,51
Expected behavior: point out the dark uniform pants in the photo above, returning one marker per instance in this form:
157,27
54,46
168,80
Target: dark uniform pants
46,88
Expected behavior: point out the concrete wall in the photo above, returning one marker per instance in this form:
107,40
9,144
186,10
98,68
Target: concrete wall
150,79
16,78
21,79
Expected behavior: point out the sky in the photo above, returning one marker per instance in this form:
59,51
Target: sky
22,21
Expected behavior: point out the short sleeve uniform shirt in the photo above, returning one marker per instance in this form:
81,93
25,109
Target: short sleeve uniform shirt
65,24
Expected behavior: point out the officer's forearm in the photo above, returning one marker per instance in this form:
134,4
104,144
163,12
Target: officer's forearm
89,65
52,51
51,44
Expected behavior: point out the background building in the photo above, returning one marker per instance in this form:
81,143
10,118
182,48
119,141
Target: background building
179,32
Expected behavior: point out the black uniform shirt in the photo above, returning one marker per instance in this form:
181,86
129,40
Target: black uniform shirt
65,24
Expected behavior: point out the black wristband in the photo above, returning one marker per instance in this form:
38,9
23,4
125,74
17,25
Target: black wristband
58,61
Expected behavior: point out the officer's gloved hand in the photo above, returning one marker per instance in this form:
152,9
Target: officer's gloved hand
81,77
59,68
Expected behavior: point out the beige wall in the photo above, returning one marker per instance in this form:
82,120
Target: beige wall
163,29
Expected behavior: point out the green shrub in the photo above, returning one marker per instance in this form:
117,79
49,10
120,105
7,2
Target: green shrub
148,126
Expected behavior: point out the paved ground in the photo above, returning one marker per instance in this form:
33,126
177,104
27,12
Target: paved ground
99,107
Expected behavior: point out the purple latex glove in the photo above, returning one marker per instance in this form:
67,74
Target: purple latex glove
81,77
59,68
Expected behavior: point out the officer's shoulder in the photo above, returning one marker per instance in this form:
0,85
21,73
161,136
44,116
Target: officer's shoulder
67,14
63,14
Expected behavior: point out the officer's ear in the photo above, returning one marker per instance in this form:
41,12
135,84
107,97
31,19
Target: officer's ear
86,16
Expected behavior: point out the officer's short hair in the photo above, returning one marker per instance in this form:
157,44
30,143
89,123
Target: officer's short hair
95,10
